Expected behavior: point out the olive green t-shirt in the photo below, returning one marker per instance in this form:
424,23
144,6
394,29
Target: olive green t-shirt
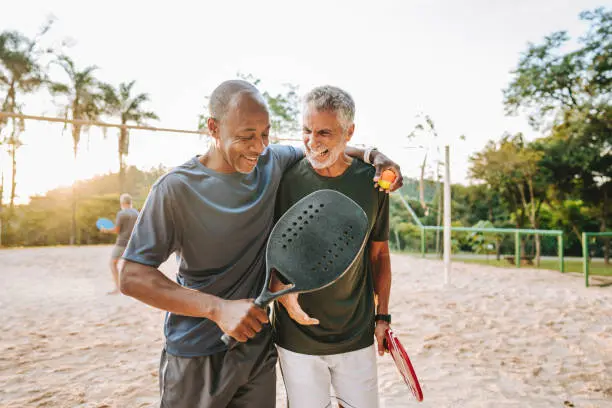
345,309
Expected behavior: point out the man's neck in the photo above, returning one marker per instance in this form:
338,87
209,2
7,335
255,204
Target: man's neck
214,160
336,169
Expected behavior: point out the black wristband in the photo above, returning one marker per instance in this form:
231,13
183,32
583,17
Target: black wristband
383,317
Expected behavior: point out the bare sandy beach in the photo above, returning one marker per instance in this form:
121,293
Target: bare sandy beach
495,338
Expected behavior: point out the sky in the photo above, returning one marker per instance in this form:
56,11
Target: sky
398,59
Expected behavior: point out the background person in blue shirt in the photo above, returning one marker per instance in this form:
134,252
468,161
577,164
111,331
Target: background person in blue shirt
124,223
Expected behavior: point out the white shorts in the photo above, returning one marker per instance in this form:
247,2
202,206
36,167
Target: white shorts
352,375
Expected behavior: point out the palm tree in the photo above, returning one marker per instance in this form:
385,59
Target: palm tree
1,213
20,73
81,90
122,103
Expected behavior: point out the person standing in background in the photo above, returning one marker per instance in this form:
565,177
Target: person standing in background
124,224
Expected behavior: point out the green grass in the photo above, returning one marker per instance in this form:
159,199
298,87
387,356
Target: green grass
597,268
571,265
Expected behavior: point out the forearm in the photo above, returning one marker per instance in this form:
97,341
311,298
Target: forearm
381,273
152,287
358,153
354,152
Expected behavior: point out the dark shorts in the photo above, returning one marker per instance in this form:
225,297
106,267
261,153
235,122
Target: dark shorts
242,377
117,251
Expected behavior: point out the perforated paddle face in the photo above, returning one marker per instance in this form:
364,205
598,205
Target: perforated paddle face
317,240
403,364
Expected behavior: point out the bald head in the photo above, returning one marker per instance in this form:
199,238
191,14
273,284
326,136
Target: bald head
227,94
239,125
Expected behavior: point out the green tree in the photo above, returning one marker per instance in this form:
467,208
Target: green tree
83,103
45,220
480,242
284,112
283,107
570,92
21,73
128,107
426,135
511,167
549,81
579,161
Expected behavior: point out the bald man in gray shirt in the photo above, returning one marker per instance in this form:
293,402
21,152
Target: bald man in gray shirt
216,211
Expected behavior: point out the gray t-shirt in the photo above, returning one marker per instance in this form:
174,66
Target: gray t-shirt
218,224
126,218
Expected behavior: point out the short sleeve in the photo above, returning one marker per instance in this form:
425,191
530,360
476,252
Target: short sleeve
155,233
380,232
119,221
286,155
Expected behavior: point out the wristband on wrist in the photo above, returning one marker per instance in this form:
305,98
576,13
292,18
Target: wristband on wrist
383,318
367,153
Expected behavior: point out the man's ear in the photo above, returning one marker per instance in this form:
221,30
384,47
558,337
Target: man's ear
213,127
350,131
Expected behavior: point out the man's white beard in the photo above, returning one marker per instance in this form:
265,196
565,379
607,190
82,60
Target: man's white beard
315,160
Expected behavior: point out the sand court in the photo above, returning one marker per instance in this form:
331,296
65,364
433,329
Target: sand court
496,338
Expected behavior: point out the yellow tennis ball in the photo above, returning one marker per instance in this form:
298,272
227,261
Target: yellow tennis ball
387,177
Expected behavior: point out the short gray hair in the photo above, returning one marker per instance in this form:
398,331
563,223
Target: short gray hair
125,198
329,98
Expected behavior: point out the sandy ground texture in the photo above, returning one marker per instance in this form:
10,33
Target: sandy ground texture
495,338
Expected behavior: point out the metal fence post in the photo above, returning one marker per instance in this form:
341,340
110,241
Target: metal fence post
561,249
422,242
517,249
585,258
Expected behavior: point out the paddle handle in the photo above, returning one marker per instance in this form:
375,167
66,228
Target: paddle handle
229,340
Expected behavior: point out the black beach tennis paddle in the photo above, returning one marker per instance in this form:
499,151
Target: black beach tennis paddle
313,244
